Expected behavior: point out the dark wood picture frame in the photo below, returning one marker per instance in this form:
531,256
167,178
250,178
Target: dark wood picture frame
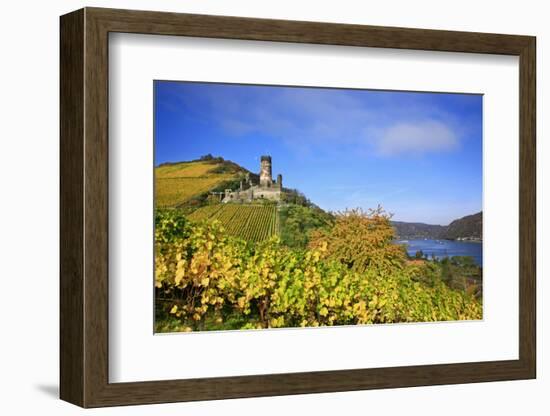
84,207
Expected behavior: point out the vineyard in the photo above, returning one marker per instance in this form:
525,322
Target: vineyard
250,222
177,183
351,273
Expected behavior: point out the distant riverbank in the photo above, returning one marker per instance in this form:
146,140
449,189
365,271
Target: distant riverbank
445,248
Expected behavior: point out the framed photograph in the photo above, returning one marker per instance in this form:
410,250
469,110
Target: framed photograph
254,207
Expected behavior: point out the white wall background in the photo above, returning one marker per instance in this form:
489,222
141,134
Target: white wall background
29,160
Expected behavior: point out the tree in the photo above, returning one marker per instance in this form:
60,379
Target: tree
361,239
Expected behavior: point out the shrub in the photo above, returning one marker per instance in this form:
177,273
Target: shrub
360,240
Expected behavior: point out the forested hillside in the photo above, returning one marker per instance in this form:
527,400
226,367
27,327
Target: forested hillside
469,227
417,230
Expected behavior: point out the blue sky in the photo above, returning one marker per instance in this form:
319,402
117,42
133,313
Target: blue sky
419,155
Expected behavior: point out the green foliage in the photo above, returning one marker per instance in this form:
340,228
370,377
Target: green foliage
461,272
208,280
170,225
294,196
298,221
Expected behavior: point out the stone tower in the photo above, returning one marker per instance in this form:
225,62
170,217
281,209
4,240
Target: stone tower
265,171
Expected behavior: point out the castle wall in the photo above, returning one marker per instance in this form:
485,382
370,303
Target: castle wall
253,193
267,188
272,194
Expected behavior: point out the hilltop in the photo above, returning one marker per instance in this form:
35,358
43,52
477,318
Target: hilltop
469,227
179,184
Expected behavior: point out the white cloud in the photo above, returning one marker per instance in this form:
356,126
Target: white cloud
416,138
313,120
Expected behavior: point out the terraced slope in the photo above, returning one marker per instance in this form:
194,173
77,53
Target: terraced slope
177,183
250,222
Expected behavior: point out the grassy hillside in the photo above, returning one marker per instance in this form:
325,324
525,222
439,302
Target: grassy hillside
249,222
178,183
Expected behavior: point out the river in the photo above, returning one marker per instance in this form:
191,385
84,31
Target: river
445,248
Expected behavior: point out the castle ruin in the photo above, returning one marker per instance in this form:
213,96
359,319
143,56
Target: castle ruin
266,189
